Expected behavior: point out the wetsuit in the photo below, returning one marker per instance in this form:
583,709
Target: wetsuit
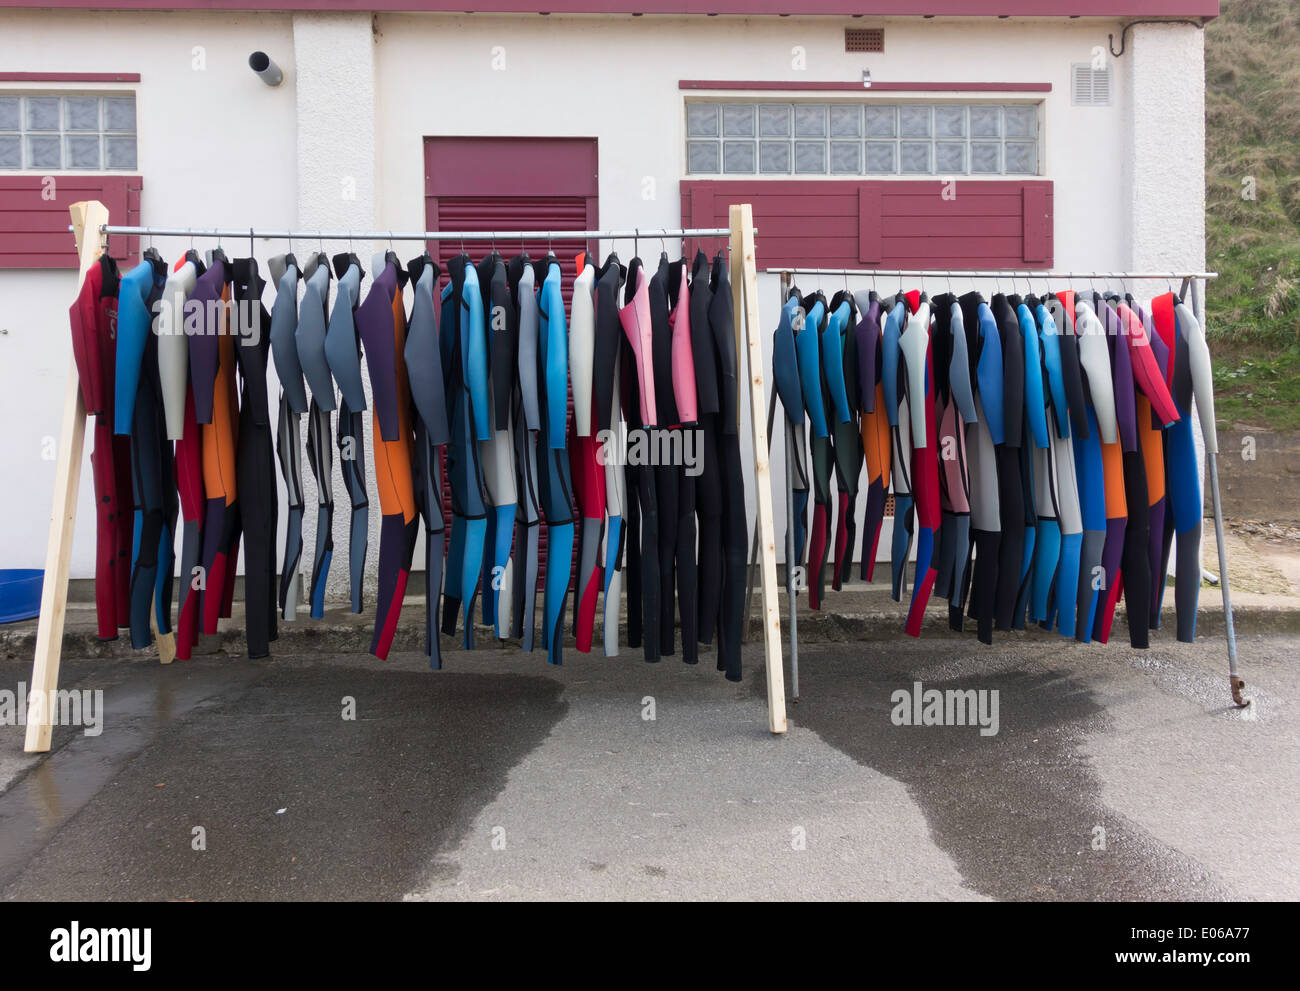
642,512
424,367
255,456
343,351
293,405
216,408
686,396
1115,469
665,439
708,485
985,437
584,459
173,369
556,486
93,319
1094,361
381,325
527,420
917,367
499,451
1011,493
607,416
874,424
463,339
808,347
955,406
785,371
313,319
735,528
139,413
898,414
840,369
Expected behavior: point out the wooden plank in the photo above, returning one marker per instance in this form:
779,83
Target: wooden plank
869,223
87,218
1037,223
745,292
896,205
951,247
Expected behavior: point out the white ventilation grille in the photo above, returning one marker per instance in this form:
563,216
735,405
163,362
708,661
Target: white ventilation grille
1089,86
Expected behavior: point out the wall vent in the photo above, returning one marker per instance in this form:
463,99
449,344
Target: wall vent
864,39
1089,86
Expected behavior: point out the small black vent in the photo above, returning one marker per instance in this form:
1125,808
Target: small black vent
864,39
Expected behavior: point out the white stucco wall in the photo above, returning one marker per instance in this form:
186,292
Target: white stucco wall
361,93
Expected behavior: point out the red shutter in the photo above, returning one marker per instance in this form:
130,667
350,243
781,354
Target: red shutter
503,184
34,217
971,223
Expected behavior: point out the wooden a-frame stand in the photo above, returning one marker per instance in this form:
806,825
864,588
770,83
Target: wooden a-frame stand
88,221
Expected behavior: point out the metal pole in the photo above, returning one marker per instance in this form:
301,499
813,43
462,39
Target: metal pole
242,232
989,273
1235,683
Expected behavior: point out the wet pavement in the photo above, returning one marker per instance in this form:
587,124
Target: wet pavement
1114,774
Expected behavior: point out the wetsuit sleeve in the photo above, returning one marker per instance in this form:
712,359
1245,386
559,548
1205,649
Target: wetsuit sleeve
785,366
989,374
474,354
85,341
1147,375
1051,341
605,359
706,364
341,345
1013,379
959,367
832,355
557,359
889,362
868,334
204,346
1125,398
722,323
808,348
1035,396
133,326
1072,373
1198,361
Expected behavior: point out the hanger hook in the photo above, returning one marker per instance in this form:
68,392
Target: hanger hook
636,242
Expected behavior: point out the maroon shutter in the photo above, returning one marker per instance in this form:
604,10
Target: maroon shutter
973,223
502,184
34,229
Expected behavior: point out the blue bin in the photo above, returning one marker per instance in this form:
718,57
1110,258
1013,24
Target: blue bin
20,593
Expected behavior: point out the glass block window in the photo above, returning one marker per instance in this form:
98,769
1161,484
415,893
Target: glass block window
67,131
906,139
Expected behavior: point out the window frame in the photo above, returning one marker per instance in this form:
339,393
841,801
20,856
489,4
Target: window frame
64,132
864,141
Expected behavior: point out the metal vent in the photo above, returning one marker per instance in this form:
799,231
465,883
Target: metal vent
1089,86
864,39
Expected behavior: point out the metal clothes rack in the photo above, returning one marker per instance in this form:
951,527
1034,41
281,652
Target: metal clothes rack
91,228
1195,281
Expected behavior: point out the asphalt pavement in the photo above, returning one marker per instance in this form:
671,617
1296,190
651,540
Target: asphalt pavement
1114,773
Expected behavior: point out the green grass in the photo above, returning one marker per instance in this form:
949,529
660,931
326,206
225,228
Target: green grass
1252,66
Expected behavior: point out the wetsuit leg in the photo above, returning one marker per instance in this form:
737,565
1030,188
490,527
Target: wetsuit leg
848,467
1185,509
1047,534
589,484
146,487
929,517
320,457
289,452
352,461
1136,567
1092,505
687,568
877,452
1152,444
823,455
258,511
557,505
1011,547
1112,554
632,524
708,507
1030,524
527,528
189,486
666,489
903,502
427,482
398,528
648,558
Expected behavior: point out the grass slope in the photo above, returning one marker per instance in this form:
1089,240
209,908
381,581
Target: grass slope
1252,56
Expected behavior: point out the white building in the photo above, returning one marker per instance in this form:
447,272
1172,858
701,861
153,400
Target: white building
1070,157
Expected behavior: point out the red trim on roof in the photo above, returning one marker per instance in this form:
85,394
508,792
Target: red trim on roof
69,77
942,8
891,87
